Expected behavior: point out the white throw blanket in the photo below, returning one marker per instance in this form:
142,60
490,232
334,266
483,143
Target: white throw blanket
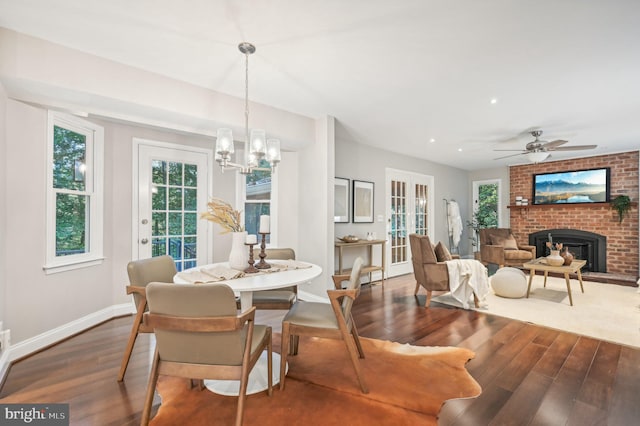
466,278
455,222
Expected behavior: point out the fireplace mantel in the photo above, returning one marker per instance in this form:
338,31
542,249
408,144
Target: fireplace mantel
574,205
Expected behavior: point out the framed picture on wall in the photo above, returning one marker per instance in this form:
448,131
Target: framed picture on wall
362,201
341,200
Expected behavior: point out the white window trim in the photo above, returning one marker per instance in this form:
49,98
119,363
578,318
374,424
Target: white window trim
95,154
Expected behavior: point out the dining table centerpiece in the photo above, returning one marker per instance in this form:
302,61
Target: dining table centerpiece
230,220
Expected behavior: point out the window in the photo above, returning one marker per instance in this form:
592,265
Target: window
486,208
258,194
74,193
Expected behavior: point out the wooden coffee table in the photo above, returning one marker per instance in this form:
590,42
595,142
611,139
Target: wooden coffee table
540,264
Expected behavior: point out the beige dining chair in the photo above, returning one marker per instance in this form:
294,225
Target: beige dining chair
332,321
282,298
200,335
142,272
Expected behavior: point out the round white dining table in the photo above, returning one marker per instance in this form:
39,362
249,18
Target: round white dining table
245,286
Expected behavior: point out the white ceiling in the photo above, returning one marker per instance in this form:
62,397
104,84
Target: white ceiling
395,74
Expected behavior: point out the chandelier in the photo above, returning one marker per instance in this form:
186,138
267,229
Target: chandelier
257,146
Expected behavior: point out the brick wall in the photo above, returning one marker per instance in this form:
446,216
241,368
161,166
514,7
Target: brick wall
622,238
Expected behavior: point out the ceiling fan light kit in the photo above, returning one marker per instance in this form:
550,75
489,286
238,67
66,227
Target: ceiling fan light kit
538,150
537,157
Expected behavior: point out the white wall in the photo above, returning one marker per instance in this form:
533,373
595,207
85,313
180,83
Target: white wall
45,73
288,176
315,226
3,202
36,302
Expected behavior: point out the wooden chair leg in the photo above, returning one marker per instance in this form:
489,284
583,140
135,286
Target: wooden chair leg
269,362
428,302
151,389
293,349
285,342
132,340
356,338
242,395
476,301
417,288
353,354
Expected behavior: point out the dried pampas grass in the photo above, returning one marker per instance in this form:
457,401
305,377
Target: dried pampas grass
221,212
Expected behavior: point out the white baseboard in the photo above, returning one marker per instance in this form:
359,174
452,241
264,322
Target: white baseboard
57,334
4,364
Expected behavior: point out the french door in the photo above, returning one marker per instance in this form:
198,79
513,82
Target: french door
409,206
171,184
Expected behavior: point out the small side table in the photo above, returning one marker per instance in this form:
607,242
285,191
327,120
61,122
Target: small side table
541,265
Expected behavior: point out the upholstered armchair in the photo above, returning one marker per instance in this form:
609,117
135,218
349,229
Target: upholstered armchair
498,246
429,272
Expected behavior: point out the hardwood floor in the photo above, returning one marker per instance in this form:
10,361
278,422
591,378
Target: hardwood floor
529,375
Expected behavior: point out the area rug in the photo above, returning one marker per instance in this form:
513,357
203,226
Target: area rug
606,312
407,386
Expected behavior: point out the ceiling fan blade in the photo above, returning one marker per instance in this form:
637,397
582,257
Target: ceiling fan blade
573,148
507,156
514,150
554,144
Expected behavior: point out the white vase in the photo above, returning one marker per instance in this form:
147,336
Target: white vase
554,259
238,256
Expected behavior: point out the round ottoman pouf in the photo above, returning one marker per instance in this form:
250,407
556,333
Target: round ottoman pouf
509,282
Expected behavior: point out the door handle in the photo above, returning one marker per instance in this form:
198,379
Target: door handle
144,241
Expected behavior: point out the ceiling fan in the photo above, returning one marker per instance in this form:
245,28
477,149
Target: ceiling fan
538,150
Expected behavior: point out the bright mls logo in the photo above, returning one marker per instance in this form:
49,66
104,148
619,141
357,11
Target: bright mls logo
34,414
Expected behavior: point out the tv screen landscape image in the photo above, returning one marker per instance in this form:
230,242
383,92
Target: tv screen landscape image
573,187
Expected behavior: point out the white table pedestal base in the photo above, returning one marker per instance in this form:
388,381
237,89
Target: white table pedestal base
257,378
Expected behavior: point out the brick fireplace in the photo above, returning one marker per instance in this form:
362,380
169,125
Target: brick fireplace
621,238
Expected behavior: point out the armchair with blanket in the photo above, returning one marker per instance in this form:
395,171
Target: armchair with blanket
436,269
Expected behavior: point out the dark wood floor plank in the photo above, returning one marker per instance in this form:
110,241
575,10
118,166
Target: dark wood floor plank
518,367
556,355
560,398
529,374
587,415
546,337
522,406
479,411
625,398
597,388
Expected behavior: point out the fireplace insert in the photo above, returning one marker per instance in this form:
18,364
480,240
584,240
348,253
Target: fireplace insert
582,244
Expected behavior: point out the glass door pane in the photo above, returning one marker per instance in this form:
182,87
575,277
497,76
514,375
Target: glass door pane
173,212
420,207
398,222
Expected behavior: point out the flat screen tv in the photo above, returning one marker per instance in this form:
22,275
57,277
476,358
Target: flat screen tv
573,187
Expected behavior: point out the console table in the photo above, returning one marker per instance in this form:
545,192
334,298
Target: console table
369,267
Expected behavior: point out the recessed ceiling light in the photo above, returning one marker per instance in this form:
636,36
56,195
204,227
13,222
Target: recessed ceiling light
494,101
459,149
432,140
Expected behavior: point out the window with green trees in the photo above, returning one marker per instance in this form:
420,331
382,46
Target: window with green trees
74,204
485,213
